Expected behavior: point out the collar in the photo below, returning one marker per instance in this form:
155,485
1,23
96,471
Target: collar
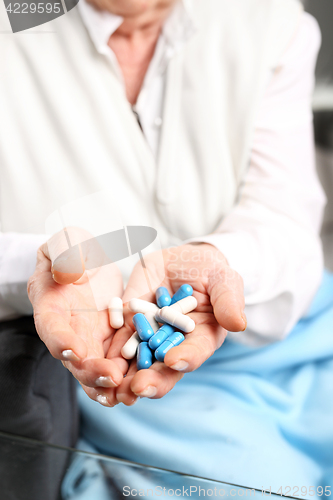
180,25
100,24
177,29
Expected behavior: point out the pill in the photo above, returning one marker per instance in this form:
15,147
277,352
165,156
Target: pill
175,339
116,312
150,316
175,318
143,327
162,297
186,305
142,306
182,292
145,356
160,336
128,351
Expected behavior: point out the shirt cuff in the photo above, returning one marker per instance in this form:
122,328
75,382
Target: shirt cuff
18,257
232,246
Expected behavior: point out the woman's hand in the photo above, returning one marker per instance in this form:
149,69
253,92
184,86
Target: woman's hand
219,291
69,323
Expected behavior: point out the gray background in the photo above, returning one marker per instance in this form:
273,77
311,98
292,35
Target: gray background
322,10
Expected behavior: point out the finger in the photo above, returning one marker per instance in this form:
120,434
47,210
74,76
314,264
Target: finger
124,394
97,372
122,363
226,291
73,251
43,263
105,397
65,255
120,338
155,382
114,353
67,269
64,270
197,347
160,378
204,304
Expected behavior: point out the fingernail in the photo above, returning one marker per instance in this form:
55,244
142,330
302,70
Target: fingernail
69,355
245,321
105,382
149,392
103,400
180,366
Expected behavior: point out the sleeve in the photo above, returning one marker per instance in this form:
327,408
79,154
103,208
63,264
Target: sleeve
18,254
271,237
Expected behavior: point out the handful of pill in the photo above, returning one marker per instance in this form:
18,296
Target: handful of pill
157,325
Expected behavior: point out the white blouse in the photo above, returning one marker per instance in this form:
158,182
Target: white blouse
262,238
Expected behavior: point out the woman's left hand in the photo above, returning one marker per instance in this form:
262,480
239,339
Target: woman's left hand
219,292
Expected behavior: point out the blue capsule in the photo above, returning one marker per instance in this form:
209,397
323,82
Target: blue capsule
144,356
160,336
174,339
143,327
162,297
182,292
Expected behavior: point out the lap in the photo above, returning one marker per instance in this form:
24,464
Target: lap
245,416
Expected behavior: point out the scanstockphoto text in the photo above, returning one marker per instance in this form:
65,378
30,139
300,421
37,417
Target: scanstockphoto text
188,491
197,491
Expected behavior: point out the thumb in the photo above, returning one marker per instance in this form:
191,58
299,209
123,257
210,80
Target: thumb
69,267
226,291
72,251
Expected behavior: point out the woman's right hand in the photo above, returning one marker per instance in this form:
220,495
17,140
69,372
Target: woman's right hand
70,325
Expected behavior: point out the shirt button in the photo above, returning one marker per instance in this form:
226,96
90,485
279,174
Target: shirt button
158,122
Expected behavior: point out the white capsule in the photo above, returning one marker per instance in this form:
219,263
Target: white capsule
129,349
116,312
142,306
175,318
150,316
185,305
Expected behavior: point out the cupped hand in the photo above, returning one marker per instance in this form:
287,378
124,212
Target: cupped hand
219,292
68,321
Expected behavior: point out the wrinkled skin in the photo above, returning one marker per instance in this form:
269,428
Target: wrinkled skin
66,319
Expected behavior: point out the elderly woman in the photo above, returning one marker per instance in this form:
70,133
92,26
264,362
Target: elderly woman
197,114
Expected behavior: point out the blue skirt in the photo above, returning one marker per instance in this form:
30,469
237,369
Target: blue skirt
260,417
